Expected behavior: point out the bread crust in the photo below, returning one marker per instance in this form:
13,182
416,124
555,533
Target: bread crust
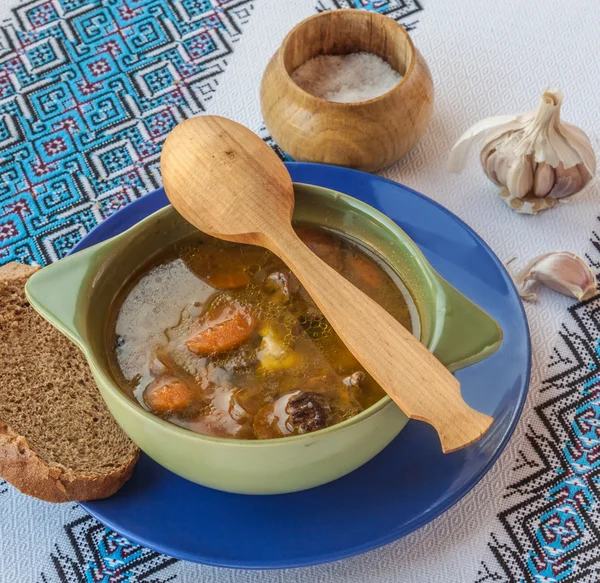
27,471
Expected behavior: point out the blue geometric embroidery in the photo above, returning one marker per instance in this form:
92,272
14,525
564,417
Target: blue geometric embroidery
88,92
552,526
264,134
98,555
396,9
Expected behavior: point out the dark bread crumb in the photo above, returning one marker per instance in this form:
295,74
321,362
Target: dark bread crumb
58,440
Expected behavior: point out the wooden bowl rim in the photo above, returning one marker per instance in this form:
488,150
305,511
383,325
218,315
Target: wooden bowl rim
363,14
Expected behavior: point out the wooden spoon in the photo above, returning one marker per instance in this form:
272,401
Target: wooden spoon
226,181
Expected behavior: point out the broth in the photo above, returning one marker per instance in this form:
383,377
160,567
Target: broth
220,338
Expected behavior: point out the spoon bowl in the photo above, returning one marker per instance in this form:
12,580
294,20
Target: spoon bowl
230,170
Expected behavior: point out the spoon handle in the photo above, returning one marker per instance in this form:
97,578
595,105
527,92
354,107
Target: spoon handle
397,360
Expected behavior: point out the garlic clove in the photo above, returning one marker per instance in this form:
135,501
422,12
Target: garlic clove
490,165
494,162
496,168
543,180
585,174
561,271
519,180
568,181
486,153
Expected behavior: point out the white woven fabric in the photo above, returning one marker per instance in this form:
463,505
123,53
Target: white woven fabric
486,58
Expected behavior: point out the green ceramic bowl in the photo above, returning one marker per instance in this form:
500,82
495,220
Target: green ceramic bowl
76,293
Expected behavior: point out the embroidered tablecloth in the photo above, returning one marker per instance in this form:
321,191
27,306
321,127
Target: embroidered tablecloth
89,90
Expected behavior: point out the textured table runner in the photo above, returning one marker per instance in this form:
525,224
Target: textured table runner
88,91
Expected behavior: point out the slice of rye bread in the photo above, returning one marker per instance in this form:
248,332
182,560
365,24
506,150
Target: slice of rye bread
58,441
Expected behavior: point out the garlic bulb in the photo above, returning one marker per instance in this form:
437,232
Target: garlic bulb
561,271
536,158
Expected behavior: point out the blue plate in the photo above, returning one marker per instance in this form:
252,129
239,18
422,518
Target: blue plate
404,487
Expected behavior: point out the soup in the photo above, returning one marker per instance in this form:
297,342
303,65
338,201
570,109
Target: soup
221,338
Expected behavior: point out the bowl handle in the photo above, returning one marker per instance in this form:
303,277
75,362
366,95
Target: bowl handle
55,291
468,334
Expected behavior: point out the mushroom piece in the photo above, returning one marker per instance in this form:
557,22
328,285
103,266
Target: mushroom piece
308,411
292,414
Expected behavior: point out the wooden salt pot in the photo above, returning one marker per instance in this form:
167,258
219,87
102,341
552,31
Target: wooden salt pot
368,135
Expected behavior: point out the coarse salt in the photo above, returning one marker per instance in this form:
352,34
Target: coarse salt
346,78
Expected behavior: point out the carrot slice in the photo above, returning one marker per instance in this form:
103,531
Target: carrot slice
227,328
167,395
